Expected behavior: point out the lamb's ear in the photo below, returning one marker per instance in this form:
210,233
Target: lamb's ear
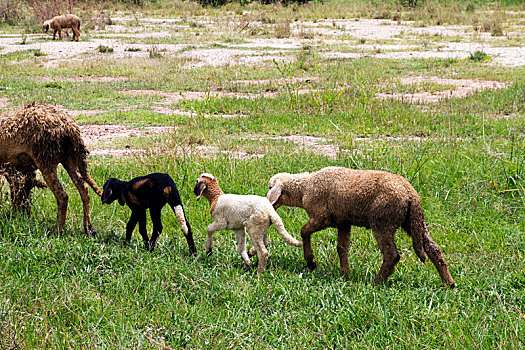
199,189
273,194
106,194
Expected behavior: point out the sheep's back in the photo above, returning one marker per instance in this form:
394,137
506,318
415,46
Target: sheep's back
356,197
237,209
48,129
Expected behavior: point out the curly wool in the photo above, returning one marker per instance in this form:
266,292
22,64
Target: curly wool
46,128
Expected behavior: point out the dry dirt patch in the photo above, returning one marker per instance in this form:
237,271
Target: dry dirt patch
4,102
463,88
93,134
318,145
90,79
175,97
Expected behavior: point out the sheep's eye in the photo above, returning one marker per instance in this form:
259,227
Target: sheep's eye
270,187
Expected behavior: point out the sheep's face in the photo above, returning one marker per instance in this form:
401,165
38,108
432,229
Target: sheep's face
110,192
202,184
45,26
275,192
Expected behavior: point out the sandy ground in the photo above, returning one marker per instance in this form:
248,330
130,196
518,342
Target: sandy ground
256,51
338,39
463,88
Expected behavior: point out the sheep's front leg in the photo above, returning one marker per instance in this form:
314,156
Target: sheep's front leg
241,246
141,213
313,225
157,227
214,226
132,223
54,33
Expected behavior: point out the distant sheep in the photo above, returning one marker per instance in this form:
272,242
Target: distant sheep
40,136
341,197
20,186
62,22
152,191
240,212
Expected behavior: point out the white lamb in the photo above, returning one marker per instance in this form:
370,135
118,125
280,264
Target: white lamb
237,212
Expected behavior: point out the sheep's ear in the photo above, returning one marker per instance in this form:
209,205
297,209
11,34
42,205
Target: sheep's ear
121,199
106,194
199,189
273,194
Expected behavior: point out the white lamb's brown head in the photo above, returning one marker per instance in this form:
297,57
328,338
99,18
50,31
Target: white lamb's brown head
205,183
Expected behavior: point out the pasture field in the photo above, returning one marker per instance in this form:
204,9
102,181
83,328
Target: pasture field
244,92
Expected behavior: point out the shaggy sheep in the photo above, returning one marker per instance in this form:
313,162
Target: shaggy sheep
20,186
40,136
62,22
341,197
240,212
152,191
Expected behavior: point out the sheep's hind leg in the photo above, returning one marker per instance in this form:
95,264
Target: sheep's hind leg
310,227
51,179
253,251
82,188
343,244
257,234
241,246
385,240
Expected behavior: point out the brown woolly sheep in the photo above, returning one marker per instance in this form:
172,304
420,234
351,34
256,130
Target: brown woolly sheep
40,136
341,197
61,22
20,186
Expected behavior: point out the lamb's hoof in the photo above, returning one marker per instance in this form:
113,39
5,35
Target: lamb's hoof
92,232
209,253
311,264
193,253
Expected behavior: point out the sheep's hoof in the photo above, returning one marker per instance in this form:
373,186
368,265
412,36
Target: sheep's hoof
209,253
311,264
92,232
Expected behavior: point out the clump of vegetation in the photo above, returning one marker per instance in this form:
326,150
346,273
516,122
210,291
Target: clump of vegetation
479,56
105,49
154,52
132,49
282,30
493,26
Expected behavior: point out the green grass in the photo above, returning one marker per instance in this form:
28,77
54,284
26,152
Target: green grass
464,156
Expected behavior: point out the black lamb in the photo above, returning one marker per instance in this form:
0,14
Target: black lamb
152,191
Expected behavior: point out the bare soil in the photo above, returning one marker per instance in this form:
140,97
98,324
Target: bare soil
464,87
406,40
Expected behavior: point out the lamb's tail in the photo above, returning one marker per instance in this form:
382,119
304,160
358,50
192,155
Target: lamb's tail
416,227
278,223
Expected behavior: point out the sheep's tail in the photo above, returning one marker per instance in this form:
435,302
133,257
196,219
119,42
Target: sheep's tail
416,227
82,168
279,226
77,150
175,203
